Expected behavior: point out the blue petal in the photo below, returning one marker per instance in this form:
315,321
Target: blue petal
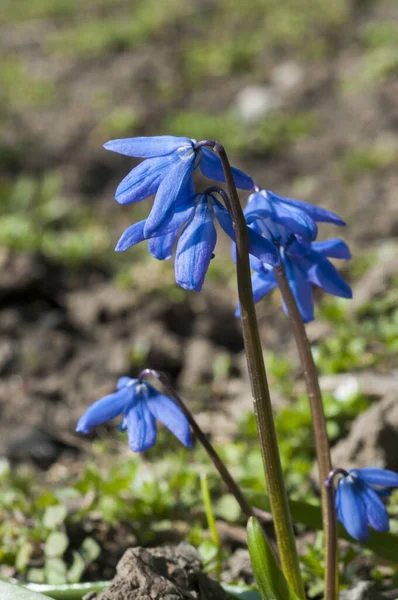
334,248
161,247
184,209
211,167
352,510
324,274
382,477
167,412
195,248
375,510
255,263
259,247
316,212
148,147
261,285
123,381
301,288
141,427
144,180
263,205
131,236
105,409
176,187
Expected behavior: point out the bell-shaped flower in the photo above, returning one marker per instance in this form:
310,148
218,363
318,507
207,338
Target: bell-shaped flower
167,172
197,241
140,405
306,265
358,500
295,215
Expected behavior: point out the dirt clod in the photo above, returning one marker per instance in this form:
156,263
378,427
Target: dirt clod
170,573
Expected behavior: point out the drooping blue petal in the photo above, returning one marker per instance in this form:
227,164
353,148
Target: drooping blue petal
105,409
352,510
382,477
131,236
301,288
161,247
176,187
259,247
321,215
255,263
261,285
211,167
148,147
141,427
264,205
167,412
333,248
375,510
144,180
323,273
195,248
123,381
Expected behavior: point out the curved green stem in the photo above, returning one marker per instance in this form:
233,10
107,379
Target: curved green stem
320,432
260,391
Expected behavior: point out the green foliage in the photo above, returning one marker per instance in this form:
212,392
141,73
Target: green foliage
357,162
269,577
271,134
36,218
13,592
89,38
20,89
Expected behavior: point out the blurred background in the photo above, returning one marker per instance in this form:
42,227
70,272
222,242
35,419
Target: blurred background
303,95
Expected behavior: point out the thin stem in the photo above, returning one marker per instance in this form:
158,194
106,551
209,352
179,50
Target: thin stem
246,508
217,461
260,391
320,432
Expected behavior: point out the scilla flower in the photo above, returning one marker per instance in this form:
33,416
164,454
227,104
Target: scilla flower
295,216
306,265
166,172
358,500
196,244
140,405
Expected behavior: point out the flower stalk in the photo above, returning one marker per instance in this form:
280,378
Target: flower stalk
259,385
320,433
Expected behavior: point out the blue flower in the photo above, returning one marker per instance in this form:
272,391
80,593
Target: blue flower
278,217
197,241
358,500
306,265
167,172
140,405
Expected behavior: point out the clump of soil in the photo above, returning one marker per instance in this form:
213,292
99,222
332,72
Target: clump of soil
171,573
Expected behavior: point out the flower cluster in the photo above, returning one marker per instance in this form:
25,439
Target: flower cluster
167,172
358,500
291,225
140,405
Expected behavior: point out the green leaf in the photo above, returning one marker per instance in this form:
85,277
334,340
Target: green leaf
77,569
56,544
9,591
90,549
23,556
269,577
240,593
55,571
384,545
54,516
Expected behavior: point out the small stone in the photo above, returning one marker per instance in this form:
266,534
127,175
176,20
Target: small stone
255,101
364,590
287,75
